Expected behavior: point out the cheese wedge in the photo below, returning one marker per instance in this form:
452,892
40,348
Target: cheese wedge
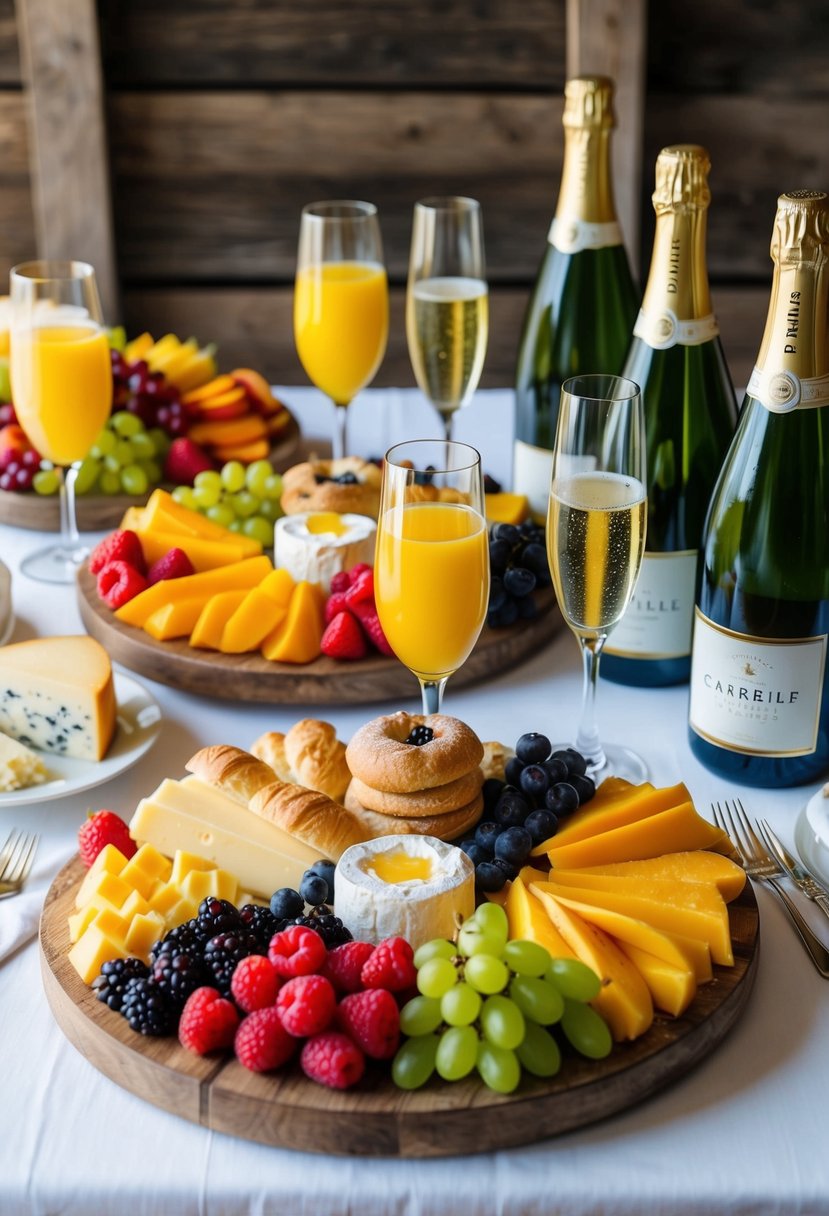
242,575
672,988
672,831
163,514
637,803
20,767
698,866
529,922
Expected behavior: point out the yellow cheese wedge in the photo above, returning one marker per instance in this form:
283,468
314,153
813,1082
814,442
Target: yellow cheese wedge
672,831
297,638
208,629
504,508
204,554
529,922
698,866
174,620
672,988
111,861
163,514
637,803
242,575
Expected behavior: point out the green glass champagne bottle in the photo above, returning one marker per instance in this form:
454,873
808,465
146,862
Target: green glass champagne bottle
677,360
759,705
583,304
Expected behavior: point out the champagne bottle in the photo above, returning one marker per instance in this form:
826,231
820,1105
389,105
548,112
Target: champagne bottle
759,706
583,304
676,358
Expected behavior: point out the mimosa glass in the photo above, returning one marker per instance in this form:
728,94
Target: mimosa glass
447,302
61,378
596,535
431,568
341,302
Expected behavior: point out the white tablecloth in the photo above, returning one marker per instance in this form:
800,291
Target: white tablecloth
745,1132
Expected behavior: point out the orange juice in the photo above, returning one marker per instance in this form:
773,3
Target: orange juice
61,388
341,323
431,584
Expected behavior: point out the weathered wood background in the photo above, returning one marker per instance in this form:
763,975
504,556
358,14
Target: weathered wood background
224,118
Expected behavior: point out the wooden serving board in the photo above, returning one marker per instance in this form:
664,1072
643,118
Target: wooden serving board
376,1119
101,512
250,677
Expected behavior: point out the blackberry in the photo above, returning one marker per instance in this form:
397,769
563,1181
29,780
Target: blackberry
184,939
111,984
491,486
261,922
330,928
224,951
146,1008
216,916
176,976
421,735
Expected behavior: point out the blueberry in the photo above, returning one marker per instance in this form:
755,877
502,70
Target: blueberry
504,617
313,889
474,852
325,869
507,532
497,595
513,845
489,876
486,834
519,581
511,809
534,781
533,748
584,787
491,789
541,825
534,558
508,868
556,770
576,763
562,799
499,555
287,903
513,770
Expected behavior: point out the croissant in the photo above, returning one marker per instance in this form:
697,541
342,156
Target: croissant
236,772
310,816
310,754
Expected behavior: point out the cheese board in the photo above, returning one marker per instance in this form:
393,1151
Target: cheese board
376,1119
250,677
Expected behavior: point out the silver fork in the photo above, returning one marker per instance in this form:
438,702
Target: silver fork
799,875
732,819
16,860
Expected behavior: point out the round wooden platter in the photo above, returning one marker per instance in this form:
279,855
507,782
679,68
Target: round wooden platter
250,677
100,512
375,1118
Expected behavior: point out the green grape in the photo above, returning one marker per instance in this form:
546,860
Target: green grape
122,452
109,482
233,476
461,1005
436,976
126,424
153,470
236,526
438,947
245,504
573,979
117,338
502,1022
104,445
585,1030
257,475
183,495
259,528
46,481
415,1062
133,479
161,440
420,1015
537,999
493,919
143,447
486,974
538,1052
498,1068
271,509
473,938
210,479
112,464
457,1053
221,514
527,958
273,487
206,496
87,475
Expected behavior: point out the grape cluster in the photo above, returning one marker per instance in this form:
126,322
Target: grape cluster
244,499
487,1003
124,459
19,470
518,564
148,395
541,788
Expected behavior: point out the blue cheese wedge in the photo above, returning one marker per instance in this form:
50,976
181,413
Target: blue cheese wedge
316,545
19,766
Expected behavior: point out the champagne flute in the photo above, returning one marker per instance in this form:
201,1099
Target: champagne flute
341,302
447,302
596,534
431,567
61,378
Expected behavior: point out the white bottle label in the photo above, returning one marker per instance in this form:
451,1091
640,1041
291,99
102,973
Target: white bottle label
782,392
663,330
531,475
658,620
571,236
755,695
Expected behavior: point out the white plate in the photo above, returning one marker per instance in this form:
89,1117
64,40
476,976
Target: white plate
811,836
138,725
7,630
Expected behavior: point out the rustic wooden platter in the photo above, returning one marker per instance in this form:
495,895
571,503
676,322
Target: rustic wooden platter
376,1119
100,512
249,677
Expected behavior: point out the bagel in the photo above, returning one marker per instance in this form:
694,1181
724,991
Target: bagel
315,486
450,826
380,757
439,800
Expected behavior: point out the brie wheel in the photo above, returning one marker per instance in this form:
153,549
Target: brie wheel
317,545
417,908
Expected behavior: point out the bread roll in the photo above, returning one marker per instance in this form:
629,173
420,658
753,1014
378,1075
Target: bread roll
310,755
495,758
237,773
312,817
270,748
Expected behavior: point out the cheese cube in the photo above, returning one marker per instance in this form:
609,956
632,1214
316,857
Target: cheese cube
110,861
134,905
95,948
145,929
201,884
80,921
184,862
164,899
110,889
152,862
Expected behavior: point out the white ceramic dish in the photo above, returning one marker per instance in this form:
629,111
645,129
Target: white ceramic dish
139,724
811,836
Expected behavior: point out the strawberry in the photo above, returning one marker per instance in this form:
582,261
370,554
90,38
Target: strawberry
208,1021
366,614
372,1020
344,964
254,984
122,545
101,829
332,1059
362,586
119,582
262,1043
343,638
334,605
173,564
184,460
390,966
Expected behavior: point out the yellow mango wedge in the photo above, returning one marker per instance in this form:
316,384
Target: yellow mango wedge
529,922
208,629
638,802
676,830
244,574
672,988
698,866
174,620
297,639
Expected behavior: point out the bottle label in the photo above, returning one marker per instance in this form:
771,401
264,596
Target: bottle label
783,391
658,620
571,236
531,475
757,696
664,329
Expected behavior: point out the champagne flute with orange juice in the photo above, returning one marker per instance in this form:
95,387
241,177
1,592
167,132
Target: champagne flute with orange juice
341,302
431,564
61,379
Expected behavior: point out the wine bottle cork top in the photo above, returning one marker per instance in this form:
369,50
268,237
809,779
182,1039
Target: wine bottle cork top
801,227
588,102
682,178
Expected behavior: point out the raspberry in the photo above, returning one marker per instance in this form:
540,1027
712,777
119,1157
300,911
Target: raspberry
254,984
100,829
390,966
362,587
262,1043
306,1005
332,1059
355,572
343,638
184,460
334,605
122,545
208,1021
119,582
174,564
340,582
296,951
366,614
372,1020
344,964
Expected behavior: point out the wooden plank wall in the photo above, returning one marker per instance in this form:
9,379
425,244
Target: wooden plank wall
225,118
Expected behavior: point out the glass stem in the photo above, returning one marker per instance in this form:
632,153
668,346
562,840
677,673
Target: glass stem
339,436
587,738
432,691
69,536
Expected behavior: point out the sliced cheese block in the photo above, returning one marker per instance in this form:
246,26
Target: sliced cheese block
174,620
208,629
243,574
698,866
57,694
314,546
19,766
672,988
638,803
529,922
671,831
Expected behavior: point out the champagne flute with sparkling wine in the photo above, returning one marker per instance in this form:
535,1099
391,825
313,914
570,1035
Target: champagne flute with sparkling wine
447,302
596,534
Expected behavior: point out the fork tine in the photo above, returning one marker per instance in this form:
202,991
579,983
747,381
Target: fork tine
747,825
739,837
6,850
28,860
9,872
774,846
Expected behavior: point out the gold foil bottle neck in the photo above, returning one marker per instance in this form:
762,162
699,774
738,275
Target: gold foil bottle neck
682,179
588,103
801,228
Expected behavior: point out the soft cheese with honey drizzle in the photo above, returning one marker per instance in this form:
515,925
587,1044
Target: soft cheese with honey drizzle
317,545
